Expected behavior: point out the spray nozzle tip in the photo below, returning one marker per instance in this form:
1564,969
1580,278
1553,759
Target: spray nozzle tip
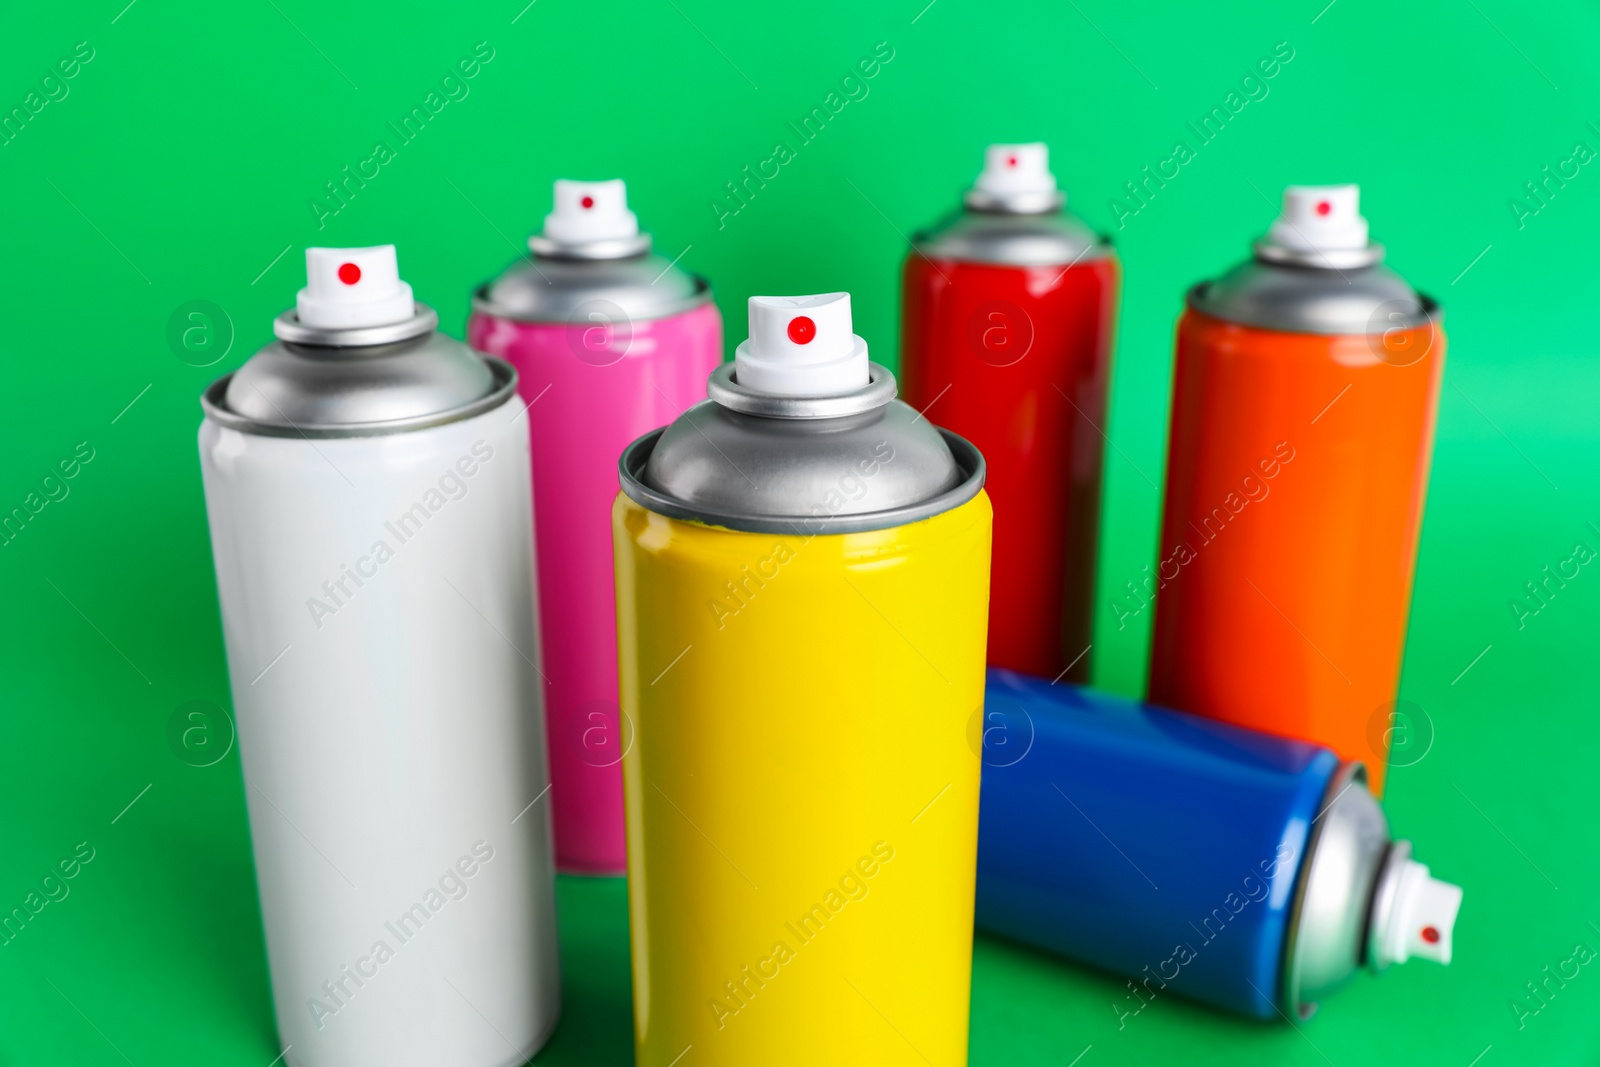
1421,921
1321,218
802,346
590,211
349,288
1017,169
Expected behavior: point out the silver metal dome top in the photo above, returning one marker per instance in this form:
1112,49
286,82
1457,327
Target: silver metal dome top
559,287
1050,237
1336,292
362,382
1327,941
801,465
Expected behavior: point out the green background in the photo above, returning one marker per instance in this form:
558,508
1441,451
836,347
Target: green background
186,155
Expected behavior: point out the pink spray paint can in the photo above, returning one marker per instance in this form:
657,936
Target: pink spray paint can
609,342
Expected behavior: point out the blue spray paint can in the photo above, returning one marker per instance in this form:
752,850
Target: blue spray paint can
1252,872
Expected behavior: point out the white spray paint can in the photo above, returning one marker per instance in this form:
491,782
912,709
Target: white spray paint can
367,488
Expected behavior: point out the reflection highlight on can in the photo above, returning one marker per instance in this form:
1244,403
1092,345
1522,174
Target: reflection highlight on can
802,586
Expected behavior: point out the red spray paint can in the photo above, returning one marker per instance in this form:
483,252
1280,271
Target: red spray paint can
1007,332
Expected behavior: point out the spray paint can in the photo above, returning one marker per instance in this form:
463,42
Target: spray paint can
609,341
366,485
802,585
1252,872
1008,309
1304,398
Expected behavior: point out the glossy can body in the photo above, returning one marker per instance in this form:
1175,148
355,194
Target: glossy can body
391,737
594,389
1156,845
801,794
1296,475
1017,360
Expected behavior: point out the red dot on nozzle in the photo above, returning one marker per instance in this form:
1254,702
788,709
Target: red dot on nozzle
1011,161
802,330
587,202
1430,935
1323,207
349,273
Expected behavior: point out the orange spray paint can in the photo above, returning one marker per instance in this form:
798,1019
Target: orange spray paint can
1305,392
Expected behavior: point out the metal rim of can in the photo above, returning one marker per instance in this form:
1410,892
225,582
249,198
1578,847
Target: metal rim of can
630,469
482,305
1020,204
1431,314
612,248
1349,772
288,327
725,389
1338,259
934,255
945,243
1383,897
213,402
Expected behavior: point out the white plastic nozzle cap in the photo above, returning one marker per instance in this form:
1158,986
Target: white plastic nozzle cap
802,346
1320,218
1423,916
590,211
1017,169
353,287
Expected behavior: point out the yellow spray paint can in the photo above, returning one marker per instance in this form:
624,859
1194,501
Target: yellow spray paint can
802,600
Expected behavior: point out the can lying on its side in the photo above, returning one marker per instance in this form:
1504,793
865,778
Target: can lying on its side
1008,314
1303,402
609,341
802,588
1250,871
366,485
